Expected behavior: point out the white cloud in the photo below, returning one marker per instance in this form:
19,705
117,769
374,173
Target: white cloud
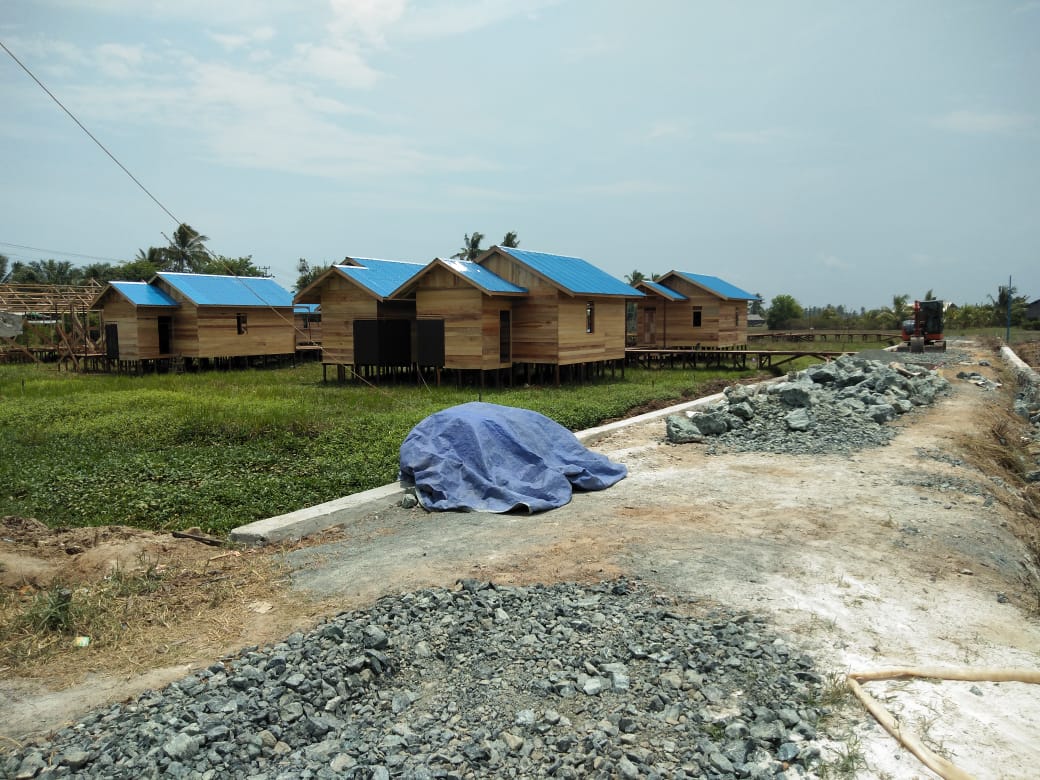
456,17
252,120
665,130
833,262
368,19
589,48
983,123
119,61
235,41
752,137
343,65
626,187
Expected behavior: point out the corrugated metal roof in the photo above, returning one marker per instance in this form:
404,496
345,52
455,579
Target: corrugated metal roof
717,286
243,291
306,308
380,277
144,294
666,292
573,274
482,277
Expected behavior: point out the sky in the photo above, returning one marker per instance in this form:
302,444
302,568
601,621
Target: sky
841,153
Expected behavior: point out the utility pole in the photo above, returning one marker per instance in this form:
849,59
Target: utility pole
1007,329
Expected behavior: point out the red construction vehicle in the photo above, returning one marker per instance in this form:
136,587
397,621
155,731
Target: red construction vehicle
926,328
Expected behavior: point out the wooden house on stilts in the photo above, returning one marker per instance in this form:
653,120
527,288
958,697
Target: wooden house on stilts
687,310
196,320
363,328
572,317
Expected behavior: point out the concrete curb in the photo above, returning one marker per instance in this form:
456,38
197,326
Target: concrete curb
303,522
1018,365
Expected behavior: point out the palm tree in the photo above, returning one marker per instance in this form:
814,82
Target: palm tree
187,250
5,272
511,240
635,277
471,247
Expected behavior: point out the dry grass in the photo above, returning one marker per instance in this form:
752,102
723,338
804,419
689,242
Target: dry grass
1002,449
158,614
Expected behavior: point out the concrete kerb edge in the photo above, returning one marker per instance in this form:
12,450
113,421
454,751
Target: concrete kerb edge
1018,365
303,522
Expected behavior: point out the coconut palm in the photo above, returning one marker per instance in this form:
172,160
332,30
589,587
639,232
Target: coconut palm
187,250
635,277
511,240
471,247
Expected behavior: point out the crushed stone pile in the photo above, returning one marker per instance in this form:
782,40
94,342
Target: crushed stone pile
607,680
840,406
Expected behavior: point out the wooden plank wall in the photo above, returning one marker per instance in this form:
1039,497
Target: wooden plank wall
471,319
607,340
718,327
535,316
268,331
123,314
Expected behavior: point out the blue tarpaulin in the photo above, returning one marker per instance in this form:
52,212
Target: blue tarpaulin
490,458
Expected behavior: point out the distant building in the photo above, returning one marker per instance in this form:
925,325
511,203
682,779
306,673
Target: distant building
683,309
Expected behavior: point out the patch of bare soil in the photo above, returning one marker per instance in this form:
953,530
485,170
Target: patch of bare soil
90,615
902,556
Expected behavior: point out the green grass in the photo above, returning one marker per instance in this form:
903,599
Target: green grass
220,449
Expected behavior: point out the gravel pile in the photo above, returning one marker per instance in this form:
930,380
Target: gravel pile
479,681
839,406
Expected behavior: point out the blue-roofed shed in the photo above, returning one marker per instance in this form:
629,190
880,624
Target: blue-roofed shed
573,313
463,316
195,317
684,309
137,322
362,325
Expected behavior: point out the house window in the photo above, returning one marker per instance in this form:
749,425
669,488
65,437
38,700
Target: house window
696,316
590,317
240,322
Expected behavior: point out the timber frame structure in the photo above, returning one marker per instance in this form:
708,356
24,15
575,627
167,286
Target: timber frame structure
56,324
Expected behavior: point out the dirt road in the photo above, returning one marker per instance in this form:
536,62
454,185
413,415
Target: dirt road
898,556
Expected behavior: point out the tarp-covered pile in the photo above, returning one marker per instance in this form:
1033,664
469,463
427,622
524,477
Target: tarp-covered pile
491,458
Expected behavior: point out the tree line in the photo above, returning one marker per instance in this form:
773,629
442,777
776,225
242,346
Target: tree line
186,253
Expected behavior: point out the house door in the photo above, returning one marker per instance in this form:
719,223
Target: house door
165,335
112,341
650,326
505,337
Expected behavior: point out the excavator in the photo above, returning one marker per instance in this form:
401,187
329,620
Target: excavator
925,330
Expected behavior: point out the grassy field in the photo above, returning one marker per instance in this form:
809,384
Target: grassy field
219,449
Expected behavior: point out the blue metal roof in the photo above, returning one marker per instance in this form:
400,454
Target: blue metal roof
306,308
482,277
240,291
573,274
380,277
717,286
666,292
144,294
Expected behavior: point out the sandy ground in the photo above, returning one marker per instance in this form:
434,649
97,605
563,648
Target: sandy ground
892,557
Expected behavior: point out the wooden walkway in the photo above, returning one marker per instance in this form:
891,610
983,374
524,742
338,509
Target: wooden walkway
813,335
723,358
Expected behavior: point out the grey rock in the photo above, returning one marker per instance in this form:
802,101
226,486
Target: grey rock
798,420
679,429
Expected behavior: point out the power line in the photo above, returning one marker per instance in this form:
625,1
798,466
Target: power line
89,134
61,253
132,177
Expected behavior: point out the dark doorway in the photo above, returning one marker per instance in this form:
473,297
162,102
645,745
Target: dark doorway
165,335
505,337
112,341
